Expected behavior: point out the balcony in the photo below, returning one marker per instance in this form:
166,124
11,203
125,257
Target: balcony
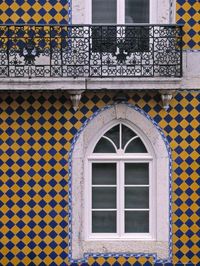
90,51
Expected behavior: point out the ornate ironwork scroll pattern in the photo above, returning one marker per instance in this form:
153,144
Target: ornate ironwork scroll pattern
90,51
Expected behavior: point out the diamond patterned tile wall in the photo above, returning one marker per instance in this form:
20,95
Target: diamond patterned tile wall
35,138
34,11
188,14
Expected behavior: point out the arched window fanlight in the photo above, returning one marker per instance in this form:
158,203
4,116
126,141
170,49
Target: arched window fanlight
120,137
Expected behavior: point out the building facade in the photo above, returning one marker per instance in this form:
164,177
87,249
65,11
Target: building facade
94,91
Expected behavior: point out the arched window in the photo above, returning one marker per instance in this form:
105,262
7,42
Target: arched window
120,191
120,186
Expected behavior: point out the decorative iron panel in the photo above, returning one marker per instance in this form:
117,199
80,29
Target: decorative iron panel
98,51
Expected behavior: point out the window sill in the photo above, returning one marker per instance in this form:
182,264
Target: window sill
122,238
125,246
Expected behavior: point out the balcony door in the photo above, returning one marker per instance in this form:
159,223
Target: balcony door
121,11
118,40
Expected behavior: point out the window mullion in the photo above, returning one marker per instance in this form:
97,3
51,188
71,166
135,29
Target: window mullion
120,11
118,200
152,200
89,194
120,136
121,197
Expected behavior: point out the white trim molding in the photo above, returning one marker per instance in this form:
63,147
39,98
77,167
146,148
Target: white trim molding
84,144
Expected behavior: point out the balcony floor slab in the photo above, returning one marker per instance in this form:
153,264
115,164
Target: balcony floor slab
91,83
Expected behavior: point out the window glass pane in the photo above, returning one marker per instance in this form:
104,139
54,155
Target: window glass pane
103,198
127,134
136,146
104,222
136,197
104,11
136,222
136,11
113,134
136,173
104,146
104,174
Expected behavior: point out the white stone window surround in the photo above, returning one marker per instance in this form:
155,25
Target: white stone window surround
161,11
79,244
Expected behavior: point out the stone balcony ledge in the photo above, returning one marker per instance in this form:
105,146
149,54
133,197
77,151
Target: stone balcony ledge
91,83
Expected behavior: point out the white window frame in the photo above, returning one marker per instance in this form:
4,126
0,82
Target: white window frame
120,158
160,12
121,11
83,147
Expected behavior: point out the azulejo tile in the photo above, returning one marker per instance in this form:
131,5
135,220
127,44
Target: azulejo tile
35,12
36,134
188,14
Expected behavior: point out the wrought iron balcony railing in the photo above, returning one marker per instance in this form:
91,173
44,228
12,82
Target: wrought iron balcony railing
99,51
